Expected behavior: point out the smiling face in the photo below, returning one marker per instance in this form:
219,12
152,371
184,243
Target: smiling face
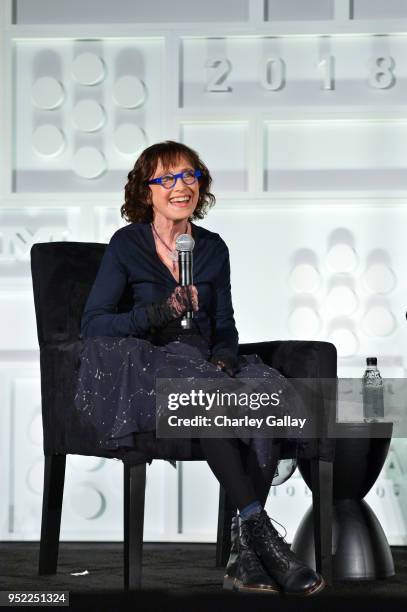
180,201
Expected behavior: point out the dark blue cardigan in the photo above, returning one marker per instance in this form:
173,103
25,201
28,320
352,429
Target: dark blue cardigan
131,258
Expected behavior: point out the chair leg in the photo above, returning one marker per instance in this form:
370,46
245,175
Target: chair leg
54,478
226,511
322,500
134,493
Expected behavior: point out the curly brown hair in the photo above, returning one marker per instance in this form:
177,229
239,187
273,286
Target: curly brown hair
137,206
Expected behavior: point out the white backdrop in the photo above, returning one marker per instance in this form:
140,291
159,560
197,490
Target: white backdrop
301,117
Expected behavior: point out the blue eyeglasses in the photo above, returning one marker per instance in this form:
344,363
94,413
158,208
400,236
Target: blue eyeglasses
168,180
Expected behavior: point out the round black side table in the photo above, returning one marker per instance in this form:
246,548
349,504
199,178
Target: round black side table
359,546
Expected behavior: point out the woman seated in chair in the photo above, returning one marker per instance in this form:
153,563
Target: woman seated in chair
124,353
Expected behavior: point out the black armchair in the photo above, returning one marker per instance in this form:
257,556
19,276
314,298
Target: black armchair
62,274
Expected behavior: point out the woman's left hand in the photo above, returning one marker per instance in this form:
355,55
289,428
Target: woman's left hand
183,298
225,364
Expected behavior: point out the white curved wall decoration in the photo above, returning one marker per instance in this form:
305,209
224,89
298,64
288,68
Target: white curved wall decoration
300,115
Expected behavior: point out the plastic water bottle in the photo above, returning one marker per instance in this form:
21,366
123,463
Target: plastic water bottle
373,400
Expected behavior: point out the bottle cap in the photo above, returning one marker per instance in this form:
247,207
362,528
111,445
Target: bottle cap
371,361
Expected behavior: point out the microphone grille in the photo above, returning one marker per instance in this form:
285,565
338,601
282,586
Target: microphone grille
184,242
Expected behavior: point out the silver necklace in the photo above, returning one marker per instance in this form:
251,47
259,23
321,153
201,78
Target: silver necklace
173,252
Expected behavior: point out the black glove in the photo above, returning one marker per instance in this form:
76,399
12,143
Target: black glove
181,300
227,363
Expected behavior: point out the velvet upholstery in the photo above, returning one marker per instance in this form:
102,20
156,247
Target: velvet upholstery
63,273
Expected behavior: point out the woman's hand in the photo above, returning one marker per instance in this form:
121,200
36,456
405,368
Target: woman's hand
226,364
183,299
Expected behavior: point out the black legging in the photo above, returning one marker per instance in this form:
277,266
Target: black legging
235,466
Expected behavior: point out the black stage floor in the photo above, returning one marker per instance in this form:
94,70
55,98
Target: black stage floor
179,577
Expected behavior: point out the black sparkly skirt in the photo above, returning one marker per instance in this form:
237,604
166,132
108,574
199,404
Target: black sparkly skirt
116,383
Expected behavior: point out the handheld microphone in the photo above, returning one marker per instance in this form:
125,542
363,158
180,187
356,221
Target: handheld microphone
185,245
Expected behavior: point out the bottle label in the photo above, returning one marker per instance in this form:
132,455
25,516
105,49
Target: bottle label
373,402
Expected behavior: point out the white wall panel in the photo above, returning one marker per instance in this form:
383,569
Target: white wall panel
20,228
224,148
299,112
83,111
27,463
93,493
377,9
18,330
298,10
107,221
199,500
6,458
305,73
103,11
285,241
336,155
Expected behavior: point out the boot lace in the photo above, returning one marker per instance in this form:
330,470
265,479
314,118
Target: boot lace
272,540
248,559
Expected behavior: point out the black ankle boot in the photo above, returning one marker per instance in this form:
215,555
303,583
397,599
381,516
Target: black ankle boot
244,571
233,561
290,573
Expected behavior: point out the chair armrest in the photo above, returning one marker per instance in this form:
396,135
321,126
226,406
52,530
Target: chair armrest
305,359
61,421
66,432
296,358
